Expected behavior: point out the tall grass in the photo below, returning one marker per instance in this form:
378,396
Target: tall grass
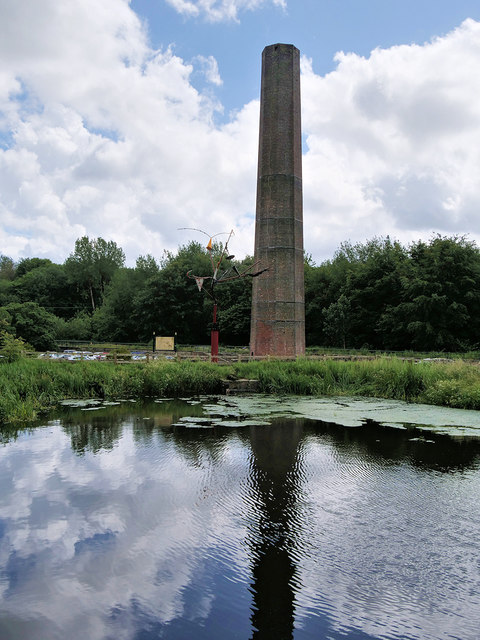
28,387
454,384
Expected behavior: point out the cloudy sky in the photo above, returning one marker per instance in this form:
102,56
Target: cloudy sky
131,119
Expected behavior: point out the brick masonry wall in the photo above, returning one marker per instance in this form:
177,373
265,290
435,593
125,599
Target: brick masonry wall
278,302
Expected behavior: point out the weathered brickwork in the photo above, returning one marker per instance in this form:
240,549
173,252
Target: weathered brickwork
278,307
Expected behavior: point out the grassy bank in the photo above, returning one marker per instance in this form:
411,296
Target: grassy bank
29,387
455,384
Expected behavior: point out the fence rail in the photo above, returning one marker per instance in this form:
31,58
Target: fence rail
203,350
228,357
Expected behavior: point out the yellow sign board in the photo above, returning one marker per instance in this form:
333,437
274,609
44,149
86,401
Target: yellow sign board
164,343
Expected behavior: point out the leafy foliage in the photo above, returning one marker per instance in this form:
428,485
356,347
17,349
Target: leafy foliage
11,348
78,328
337,320
48,285
169,302
7,268
378,294
32,323
117,320
424,297
92,265
29,264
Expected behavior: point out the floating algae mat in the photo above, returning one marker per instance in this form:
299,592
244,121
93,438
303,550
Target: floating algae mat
237,411
258,409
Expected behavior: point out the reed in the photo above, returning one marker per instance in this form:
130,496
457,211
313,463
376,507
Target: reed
454,384
29,387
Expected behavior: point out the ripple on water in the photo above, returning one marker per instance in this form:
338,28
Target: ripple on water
200,533
384,542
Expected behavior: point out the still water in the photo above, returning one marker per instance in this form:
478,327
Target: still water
144,521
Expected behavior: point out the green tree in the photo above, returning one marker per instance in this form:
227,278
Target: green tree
235,306
48,285
91,266
6,292
374,282
320,292
440,299
338,321
80,327
7,268
11,348
368,276
31,323
170,303
147,266
28,264
424,297
116,320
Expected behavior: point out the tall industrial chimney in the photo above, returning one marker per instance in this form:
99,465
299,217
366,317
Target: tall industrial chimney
278,300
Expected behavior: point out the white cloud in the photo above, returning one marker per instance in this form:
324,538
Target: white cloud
109,138
209,67
393,142
153,546
220,10
103,136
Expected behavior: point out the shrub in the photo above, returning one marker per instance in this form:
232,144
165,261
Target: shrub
11,348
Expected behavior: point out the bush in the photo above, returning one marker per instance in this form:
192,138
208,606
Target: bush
32,323
11,348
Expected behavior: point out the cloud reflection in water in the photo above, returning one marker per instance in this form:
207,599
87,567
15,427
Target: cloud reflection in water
299,528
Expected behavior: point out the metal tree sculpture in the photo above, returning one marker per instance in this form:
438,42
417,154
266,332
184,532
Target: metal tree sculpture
222,271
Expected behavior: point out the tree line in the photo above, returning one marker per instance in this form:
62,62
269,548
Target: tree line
94,296
378,295
382,295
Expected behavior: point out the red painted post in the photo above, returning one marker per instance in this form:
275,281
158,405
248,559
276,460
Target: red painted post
214,336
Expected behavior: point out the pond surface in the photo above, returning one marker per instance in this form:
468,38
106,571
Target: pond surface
192,519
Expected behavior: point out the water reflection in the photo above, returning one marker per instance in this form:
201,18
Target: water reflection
94,425
374,442
114,524
274,493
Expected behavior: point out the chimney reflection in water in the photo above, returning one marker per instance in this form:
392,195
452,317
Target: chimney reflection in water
274,480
